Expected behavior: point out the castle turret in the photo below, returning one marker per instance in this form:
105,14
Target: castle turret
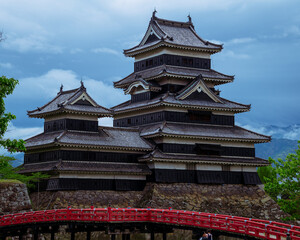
78,154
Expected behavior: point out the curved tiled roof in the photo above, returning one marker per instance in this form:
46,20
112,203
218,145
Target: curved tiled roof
63,103
173,34
89,166
158,155
226,133
175,71
169,99
107,137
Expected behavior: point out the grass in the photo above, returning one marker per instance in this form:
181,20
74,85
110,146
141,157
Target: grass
10,181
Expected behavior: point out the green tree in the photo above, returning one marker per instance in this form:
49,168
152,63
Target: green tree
283,183
7,86
267,172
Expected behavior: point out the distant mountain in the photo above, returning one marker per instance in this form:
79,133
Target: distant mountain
277,148
284,140
19,159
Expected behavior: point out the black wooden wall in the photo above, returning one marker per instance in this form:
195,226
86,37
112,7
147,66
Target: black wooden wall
174,60
80,156
203,177
189,117
207,149
71,124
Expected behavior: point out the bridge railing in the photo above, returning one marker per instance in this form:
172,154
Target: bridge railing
253,227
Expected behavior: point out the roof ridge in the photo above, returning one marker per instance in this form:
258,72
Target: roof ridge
259,134
246,105
128,129
68,91
123,103
205,42
187,24
222,73
57,96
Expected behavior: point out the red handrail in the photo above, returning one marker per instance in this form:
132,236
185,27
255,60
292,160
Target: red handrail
253,227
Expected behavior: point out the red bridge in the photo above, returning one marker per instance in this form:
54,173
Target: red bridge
127,220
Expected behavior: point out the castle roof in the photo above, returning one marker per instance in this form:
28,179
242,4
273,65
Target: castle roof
202,131
169,99
89,166
106,138
72,101
159,156
174,71
182,35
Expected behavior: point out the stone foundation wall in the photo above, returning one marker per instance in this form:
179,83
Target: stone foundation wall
238,200
14,197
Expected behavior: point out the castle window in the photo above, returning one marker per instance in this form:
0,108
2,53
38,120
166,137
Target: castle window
199,116
129,121
208,149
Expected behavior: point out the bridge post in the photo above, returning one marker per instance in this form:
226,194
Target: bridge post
52,235
20,236
164,236
88,235
125,236
36,233
152,236
72,235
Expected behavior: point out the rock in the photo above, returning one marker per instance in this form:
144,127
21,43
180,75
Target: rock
14,198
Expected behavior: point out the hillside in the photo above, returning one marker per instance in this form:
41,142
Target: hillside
277,148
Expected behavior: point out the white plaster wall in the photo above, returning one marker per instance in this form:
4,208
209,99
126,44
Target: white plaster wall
101,176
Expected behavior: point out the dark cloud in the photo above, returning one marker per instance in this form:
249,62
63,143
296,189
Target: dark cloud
78,39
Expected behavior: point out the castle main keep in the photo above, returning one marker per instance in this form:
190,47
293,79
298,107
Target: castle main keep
176,135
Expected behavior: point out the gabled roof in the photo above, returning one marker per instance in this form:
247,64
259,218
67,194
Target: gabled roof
158,156
199,86
198,131
72,101
106,138
162,32
140,82
169,99
177,72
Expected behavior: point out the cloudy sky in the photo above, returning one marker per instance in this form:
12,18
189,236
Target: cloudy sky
49,42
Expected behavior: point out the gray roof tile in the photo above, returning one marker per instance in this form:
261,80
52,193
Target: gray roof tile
107,137
202,131
170,99
174,34
161,156
62,102
162,70
80,166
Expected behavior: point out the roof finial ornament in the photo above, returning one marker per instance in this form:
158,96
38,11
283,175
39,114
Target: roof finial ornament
190,18
154,12
82,85
61,88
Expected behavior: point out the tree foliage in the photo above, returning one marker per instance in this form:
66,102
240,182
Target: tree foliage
7,86
282,182
7,171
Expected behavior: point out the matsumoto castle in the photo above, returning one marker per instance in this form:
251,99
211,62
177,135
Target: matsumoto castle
176,128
